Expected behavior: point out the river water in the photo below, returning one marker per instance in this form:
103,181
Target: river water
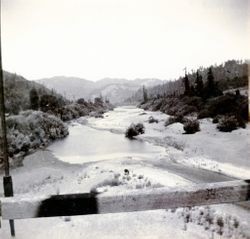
100,139
86,143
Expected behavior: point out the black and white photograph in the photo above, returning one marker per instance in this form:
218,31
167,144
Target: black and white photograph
124,119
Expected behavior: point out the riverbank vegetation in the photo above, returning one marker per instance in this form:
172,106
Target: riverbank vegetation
30,130
218,92
35,115
134,130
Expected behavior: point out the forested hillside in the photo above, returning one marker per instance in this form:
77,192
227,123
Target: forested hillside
230,75
218,92
17,93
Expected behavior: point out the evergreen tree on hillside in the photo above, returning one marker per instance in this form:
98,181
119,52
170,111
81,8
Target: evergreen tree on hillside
98,100
145,94
199,86
186,85
81,101
34,99
211,89
210,82
49,103
192,91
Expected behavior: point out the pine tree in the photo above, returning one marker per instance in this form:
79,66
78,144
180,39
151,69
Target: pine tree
49,103
186,85
199,86
212,88
210,81
34,99
145,94
192,91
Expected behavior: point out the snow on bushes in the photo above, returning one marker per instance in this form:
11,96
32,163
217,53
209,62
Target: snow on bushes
134,130
32,129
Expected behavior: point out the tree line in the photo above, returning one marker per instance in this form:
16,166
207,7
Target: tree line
207,90
203,82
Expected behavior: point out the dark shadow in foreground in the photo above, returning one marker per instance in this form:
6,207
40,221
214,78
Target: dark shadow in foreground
67,205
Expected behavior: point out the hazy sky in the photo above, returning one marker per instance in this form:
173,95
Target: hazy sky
94,39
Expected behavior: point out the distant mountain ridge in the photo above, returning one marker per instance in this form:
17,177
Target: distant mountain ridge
70,87
114,89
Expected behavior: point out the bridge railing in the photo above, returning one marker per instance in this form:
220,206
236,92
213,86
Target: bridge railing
21,207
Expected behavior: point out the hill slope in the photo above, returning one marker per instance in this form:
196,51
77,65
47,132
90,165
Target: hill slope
218,92
70,87
17,90
230,75
116,90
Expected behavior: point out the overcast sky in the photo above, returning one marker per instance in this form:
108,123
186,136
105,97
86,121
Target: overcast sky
130,39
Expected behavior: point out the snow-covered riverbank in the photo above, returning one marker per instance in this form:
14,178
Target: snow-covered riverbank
43,173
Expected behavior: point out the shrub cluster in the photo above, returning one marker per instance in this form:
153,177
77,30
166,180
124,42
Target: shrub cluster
205,113
216,120
151,120
67,111
191,126
32,129
181,106
134,130
213,107
72,111
228,104
82,108
227,124
175,119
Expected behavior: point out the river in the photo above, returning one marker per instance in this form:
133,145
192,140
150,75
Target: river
99,139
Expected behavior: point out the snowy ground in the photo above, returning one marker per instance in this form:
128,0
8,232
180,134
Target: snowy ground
43,173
